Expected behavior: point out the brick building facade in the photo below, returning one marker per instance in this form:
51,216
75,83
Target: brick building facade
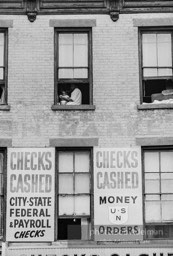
118,115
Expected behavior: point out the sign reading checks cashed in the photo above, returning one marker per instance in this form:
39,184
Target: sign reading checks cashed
117,194
30,194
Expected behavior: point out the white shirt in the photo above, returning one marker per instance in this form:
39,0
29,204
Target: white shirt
76,96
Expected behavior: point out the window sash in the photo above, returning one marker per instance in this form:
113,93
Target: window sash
158,189
73,55
157,54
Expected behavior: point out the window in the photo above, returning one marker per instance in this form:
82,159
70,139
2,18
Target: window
157,65
74,194
2,199
73,64
158,193
3,66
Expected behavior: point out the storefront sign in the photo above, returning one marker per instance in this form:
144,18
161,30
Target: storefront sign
30,194
117,194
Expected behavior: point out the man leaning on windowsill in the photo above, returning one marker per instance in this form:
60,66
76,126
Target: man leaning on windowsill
75,97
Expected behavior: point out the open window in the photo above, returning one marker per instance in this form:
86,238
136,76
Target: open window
74,194
156,65
158,192
3,66
73,65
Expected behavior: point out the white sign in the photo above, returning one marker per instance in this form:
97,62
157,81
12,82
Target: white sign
30,194
117,194
97,251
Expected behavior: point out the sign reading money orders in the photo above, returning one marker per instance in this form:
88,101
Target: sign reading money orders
30,194
117,194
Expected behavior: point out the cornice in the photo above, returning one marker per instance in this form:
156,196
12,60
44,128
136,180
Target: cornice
32,8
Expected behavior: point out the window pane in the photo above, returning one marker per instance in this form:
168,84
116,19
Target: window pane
1,49
82,205
81,56
82,162
149,38
152,183
151,161
149,50
1,73
81,73
65,184
164,72
149,72
167,211
164,55
167,183
66,205
152,197
152,211
66,56
65,162
82,183
65,39
66,73
80,39
167,197
166,161
164,50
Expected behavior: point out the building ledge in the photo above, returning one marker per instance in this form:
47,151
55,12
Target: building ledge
73,142
154,140
149,106
5,107
72,107
5,142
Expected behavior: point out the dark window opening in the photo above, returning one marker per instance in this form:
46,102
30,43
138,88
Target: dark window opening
69,229
159,231
84,88
154,89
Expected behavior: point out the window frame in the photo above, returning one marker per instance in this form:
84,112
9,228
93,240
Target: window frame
4,152
91,217
151,30
157,149
5,66
88,81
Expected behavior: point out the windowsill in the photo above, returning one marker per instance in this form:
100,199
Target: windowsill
4,107
72,107
149,106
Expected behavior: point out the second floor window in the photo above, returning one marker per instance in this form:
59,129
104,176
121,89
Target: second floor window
157,65
73,79
3,66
